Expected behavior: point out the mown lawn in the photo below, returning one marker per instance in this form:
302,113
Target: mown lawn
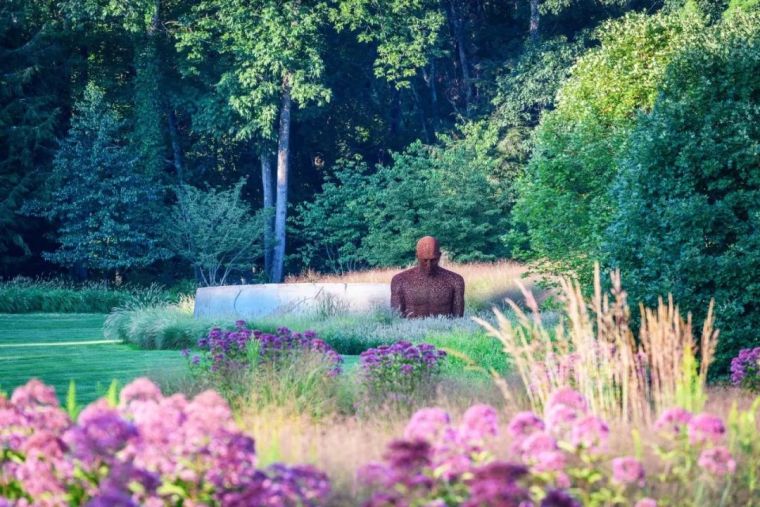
58,348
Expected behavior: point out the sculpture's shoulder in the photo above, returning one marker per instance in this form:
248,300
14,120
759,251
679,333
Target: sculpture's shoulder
453,278
400,278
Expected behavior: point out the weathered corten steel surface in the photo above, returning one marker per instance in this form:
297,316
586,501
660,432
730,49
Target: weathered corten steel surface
248,301
427,289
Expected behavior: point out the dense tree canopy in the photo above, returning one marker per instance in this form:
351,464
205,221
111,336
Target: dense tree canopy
566,132
688,193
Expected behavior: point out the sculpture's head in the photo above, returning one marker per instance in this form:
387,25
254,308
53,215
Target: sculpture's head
428,255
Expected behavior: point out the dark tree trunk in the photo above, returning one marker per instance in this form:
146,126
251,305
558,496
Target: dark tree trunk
457,23
267,185
535,17
421,111
176,146
430,81
281,208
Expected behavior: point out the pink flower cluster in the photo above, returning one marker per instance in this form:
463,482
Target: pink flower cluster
149,450
438,462
550,459
705,431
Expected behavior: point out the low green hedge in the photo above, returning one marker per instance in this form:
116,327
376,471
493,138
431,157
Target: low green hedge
23,295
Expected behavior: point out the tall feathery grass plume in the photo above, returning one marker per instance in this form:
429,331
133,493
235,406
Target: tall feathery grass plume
594,350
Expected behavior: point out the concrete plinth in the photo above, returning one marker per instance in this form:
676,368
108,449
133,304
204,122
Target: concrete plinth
249,301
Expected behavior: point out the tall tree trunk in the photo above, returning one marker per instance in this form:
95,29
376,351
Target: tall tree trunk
534,20
430,81
147,90
281,208
268,187
179,165
457,23
420,109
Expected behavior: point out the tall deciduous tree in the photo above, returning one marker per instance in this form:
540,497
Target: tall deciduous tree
104,207
275,54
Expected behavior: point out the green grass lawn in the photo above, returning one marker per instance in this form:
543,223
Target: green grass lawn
58,348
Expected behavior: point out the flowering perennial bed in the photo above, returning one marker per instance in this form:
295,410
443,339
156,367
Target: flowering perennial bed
146,450
226,351
399,370
745,369
560,460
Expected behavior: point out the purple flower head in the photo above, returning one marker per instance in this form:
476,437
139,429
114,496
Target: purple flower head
479,422
628,470
408,455
559,498
590,432
673,420
745,367
100,432
196,359
427,424
706,427
568,397
496,484
523,424
112,498
717,461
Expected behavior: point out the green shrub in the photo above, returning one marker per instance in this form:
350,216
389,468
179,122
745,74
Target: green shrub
375,218
689,191
563,198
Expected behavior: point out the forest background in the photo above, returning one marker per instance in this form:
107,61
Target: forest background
230,141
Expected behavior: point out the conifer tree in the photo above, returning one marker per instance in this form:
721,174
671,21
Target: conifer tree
103,204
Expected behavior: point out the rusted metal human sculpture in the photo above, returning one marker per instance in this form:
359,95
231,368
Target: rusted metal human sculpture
427,289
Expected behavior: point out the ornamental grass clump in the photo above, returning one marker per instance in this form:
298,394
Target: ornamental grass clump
566,457
142,449
745,369
594,350
399,372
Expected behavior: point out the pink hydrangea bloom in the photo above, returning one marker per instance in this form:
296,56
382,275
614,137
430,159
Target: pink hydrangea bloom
717,461
646,502
479,422
568,397
673,420
523,424
590,432
706,427
628,470
427,424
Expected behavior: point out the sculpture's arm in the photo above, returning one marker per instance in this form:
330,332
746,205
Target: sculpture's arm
397,297
458,306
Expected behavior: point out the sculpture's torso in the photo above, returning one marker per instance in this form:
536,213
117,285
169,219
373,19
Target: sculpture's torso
416,295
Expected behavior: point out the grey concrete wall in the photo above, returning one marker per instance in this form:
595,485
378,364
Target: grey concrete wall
249,301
